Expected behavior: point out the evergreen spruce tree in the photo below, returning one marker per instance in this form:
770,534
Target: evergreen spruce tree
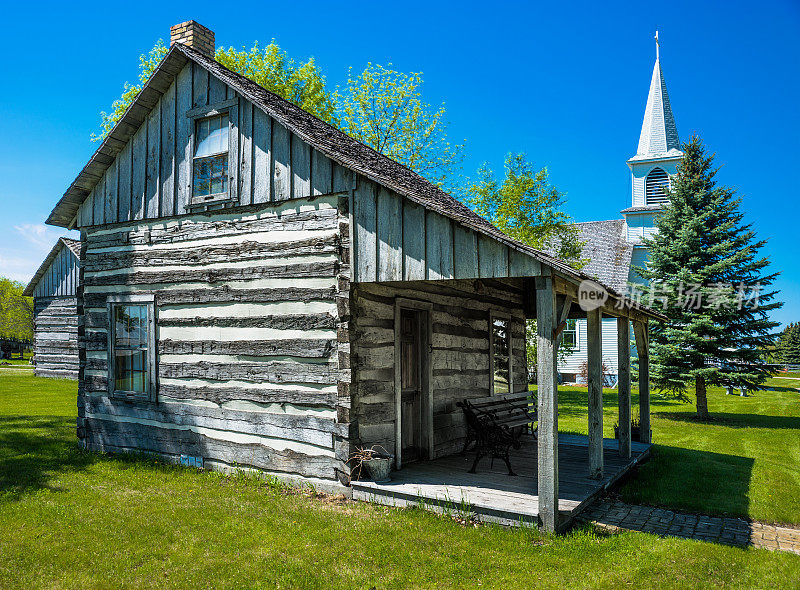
789,345
706,274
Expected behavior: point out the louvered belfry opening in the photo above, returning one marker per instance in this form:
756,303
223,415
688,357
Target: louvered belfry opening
655,184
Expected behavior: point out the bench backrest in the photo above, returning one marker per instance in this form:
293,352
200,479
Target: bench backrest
505,407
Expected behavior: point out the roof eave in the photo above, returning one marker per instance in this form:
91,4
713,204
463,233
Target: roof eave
66,210
37,276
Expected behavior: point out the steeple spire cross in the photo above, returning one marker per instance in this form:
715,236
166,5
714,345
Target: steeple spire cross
657,44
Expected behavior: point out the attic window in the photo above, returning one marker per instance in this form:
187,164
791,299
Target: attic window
210,176
655,184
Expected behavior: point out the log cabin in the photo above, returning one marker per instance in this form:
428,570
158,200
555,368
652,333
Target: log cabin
55,311
260,290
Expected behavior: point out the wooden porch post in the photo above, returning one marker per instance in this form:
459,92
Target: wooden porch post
624,385
595,387
547,399
643,349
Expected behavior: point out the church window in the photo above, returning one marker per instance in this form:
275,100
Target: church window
655,184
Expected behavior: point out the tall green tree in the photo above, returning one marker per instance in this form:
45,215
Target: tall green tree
788,348
380,107
385,109
526,207
299,82
16,311
707,273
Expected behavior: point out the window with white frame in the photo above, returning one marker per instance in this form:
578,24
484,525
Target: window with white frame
210,166
500,344
131,347
569,336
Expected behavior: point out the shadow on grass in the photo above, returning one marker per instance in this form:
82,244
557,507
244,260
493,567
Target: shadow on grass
33,449
779,388
574,402
734,420
700,481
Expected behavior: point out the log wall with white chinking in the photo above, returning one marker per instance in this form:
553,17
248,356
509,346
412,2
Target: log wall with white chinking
248,361
55,337
459,354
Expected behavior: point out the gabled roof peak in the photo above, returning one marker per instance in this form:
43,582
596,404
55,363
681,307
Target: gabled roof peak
659,135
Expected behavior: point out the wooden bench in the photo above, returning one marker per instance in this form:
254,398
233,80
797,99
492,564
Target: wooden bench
496,423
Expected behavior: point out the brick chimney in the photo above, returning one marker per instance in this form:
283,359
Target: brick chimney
194,35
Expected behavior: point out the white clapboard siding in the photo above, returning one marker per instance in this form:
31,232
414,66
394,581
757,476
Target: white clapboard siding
573,363
246,317
151,177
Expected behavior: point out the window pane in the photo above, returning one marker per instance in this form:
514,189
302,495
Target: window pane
130,370
501,356
569,337
130,348
211,136
210,176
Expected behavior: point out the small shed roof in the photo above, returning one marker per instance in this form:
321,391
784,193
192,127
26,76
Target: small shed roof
73,246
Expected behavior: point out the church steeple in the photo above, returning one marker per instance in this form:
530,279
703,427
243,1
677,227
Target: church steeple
654,165
659,135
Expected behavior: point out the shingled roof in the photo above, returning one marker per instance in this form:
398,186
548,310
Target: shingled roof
326,138
73,246
608,250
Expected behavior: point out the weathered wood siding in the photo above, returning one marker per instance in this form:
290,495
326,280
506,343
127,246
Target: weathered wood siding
398,240
246,327
460,354
55,341
61,277
151,176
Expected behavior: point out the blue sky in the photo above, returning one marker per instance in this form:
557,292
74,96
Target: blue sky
564,82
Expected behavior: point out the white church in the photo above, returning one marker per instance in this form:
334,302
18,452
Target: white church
615,246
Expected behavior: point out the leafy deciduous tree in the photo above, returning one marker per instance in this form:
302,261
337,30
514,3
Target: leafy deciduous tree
16,311
526,207
384,109
272,68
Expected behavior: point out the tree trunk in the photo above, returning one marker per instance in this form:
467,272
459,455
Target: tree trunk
702,400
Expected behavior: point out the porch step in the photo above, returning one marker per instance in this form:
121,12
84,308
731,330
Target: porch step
441,503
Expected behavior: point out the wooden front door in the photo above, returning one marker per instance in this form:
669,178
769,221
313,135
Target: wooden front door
411,394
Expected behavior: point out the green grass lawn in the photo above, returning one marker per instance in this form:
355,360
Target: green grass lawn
72,519
25,360
745,462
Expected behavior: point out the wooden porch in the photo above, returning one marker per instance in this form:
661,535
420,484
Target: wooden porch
494,496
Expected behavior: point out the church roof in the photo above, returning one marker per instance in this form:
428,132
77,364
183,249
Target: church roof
608,250
606,247
659,135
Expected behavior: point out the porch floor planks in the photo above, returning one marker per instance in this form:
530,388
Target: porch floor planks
494,495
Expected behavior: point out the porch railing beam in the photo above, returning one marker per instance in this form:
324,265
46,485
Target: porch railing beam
595,389
547,401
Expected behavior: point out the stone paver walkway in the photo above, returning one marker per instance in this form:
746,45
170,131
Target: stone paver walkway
617,516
